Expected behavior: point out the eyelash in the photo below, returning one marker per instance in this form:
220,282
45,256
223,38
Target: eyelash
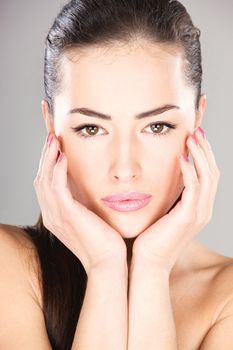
79,129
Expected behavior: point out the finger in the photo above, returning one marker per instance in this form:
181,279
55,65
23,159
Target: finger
206,147
207,207
38,175
200,161
59,178
191,186
207,185
50,159
212,179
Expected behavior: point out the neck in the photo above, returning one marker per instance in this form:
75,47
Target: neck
129,244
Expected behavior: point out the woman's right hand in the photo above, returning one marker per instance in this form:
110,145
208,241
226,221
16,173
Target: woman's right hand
89,237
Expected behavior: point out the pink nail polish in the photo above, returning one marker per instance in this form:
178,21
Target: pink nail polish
48,137
61,156
51,140
194,139
185,157
202,132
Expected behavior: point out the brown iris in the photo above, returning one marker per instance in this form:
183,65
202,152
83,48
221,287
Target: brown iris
157,127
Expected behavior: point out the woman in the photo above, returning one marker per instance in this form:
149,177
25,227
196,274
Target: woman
123,109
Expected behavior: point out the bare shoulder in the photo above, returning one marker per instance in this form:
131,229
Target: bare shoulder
202,297
21,316
17,250
220,330
223,267
221,284
224,275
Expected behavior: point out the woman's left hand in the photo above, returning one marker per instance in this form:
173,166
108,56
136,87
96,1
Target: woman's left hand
163,242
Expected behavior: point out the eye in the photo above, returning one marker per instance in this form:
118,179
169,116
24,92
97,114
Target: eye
158,128
92,129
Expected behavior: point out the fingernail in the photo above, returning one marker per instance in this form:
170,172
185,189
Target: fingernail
51,140
61,156
202,132
48,137
185,157
194,139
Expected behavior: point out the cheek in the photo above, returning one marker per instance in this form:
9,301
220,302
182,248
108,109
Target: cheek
86,169
166,161
80,166
168,174
86,156
81,177
174,179
168,182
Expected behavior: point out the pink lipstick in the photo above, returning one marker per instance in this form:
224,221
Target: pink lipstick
130,201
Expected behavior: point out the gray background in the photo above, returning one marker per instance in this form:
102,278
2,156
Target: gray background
23,28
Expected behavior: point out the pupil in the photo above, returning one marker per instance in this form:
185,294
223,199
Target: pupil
157,127
91,128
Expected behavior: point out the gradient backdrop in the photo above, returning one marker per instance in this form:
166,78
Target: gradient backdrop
23,28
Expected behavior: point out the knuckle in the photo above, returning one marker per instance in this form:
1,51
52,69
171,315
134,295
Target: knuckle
36,181
217,172
208,145
208,218
39,183
215,175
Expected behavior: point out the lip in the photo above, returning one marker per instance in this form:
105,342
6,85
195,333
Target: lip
128,205
126,196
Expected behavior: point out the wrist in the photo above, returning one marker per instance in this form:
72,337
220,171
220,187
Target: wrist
114,264
145,264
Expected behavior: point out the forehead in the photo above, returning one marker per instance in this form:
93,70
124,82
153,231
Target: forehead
147,73
142,65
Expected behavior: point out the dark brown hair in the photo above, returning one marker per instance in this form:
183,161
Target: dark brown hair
81,24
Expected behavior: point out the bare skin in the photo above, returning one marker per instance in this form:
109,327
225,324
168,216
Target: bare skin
200,280
200,286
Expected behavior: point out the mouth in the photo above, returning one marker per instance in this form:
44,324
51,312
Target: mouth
128,205
123,196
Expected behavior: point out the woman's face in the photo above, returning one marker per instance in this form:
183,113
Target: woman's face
126,154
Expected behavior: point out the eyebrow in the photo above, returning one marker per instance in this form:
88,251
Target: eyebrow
90,113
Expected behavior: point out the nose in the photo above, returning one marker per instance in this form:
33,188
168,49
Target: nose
125,166
124,177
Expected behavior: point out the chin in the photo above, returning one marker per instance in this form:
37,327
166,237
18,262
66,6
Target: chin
132,224
131,228
129,234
